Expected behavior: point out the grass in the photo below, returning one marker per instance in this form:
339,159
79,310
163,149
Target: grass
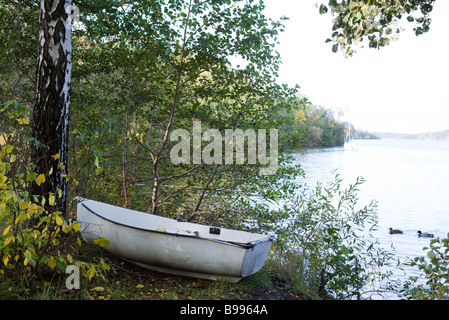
131,282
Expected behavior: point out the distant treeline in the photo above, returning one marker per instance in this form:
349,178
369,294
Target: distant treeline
312,126
317,126
437,135
362,134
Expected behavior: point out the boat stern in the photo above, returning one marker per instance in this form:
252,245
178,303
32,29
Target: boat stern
255,256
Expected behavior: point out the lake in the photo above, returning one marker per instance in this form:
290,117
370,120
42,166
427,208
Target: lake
408,178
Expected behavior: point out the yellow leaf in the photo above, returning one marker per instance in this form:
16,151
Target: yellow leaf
8,240
56,156
3,178
78,240
5,260
40,179
69,258
91,272
5,232
61,166
8,148
22,216
51,263
65,228
76,226
102,242
23,121
3,138
24,204
104,265
59,221
139,286
33,208
98,289
51,199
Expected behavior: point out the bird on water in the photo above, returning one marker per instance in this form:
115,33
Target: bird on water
424,234
395,231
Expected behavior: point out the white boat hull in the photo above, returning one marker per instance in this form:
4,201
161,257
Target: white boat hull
169,246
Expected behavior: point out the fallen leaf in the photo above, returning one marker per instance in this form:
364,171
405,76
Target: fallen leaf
98,289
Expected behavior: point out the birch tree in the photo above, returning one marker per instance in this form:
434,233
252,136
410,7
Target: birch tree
52,101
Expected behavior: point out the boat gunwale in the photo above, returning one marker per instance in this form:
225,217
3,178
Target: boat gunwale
245,245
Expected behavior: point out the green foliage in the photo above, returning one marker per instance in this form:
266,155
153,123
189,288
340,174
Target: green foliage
145,68
140,70
316,126
18,43
377,22
433,284
325,242
324,129
32,240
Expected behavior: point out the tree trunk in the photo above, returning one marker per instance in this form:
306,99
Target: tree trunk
52,102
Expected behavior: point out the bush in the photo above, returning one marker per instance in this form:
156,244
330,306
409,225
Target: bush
326,243
33,240
434,282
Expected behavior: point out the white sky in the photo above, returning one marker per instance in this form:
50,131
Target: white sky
402,88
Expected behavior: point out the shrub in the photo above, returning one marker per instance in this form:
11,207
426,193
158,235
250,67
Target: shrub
33,240
433,284
327,245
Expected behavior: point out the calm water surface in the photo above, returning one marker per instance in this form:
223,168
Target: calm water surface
408,178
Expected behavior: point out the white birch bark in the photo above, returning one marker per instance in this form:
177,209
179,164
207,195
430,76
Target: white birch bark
52,103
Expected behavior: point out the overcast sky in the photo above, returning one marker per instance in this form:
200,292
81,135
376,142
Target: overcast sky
402,88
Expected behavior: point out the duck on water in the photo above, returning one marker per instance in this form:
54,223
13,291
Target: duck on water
425,234
395,231
420,234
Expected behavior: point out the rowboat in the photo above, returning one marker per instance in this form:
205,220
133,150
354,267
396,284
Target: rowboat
170,246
